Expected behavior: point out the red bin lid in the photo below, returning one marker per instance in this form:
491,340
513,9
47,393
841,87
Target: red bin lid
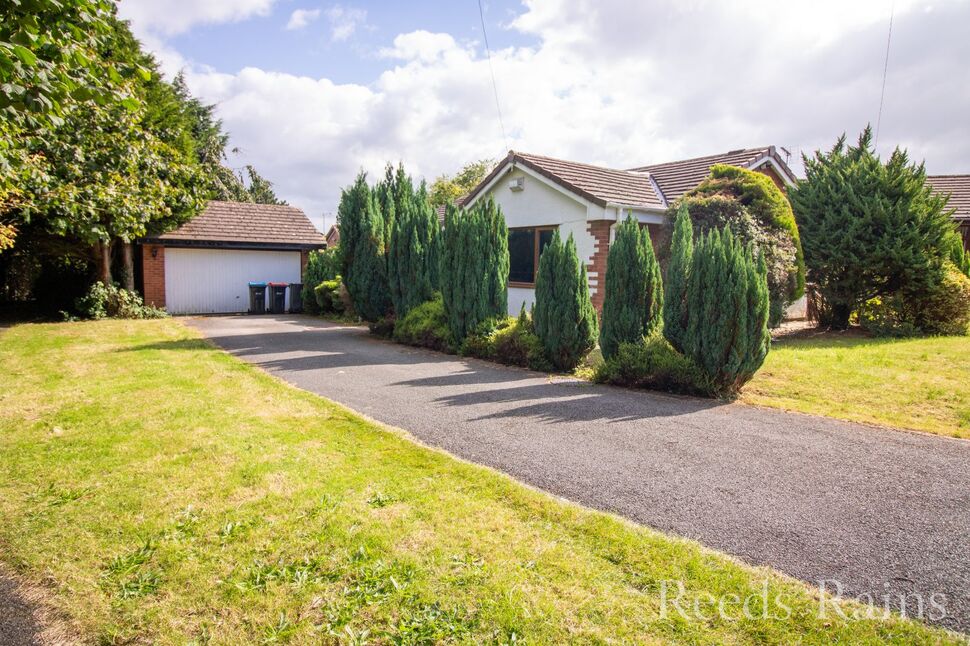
277,284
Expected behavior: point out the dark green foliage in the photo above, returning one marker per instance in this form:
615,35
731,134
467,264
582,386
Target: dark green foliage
654,364
869,229
363,251
413,254
564,318
425,325
366,277
327,298
634,291
727,311
474,267
510,340
321,265
759,214
675,284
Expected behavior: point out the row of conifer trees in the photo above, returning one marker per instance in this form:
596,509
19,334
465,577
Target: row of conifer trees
713,308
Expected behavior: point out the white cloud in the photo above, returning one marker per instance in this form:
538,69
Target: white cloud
344,21
174,17
300,18
615,83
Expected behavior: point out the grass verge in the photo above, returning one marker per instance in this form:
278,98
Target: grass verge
165,492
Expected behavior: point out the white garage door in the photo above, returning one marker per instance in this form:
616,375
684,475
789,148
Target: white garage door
210,281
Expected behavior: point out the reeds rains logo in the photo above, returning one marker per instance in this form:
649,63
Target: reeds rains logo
766,604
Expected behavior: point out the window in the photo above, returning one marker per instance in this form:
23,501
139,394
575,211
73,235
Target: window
525,247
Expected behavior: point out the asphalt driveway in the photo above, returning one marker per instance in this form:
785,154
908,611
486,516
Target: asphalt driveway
882,512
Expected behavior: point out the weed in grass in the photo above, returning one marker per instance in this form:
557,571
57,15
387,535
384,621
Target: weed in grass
231,529
281,631
380,499
140,584
298,574
431,624
125,564
184,524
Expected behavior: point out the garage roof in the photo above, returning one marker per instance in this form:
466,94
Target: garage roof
255,225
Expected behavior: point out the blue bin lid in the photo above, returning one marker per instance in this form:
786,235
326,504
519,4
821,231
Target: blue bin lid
257,284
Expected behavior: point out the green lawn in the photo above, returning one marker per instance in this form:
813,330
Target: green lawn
164,492
921,384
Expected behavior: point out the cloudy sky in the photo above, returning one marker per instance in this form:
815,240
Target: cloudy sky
311,92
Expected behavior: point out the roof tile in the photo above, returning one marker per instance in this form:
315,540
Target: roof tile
248,223
958,186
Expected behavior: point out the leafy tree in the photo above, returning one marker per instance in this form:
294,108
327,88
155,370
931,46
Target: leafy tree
474,267
446,189
678,275
105,180
412,257
564,318
758,213
869,228
633,289
727,310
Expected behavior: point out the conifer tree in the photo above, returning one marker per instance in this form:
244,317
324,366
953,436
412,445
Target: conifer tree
633,289
412,256
349,220
563,317
675,285
474,267
727,304
366,277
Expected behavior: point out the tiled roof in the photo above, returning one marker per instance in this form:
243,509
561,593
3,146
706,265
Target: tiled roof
676,178
599,185
244,222
958,186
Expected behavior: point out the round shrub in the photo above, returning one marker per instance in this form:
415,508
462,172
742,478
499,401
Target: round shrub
943,308
511,341
328,297
758,213
109,301
425,326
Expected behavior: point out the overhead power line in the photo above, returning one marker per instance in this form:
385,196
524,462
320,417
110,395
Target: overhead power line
488,54
885,72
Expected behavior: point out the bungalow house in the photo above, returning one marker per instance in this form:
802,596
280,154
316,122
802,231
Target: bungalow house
958,188
333,235
205,266
540,194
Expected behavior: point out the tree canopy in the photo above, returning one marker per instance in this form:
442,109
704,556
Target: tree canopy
446,189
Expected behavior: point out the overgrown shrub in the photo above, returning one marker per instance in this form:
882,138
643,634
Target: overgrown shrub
870,228
425,326
108,301
412,261
633,301
510,341
322,265
653,363
363,249
727,311
328,297
759,214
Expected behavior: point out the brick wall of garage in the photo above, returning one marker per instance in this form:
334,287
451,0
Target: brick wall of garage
153,274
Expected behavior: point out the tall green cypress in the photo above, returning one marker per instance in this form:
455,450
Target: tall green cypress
366,278
633,289
349,219
474,267
675,285
412,256
727,310
564,317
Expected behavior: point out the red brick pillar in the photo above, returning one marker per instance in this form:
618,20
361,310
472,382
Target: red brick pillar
304,258
596,265
153,274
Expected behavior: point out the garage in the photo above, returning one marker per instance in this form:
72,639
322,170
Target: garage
206,266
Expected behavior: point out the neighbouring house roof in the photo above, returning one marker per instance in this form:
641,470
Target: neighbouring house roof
651,187
248,224
678,177
333,235
958,187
